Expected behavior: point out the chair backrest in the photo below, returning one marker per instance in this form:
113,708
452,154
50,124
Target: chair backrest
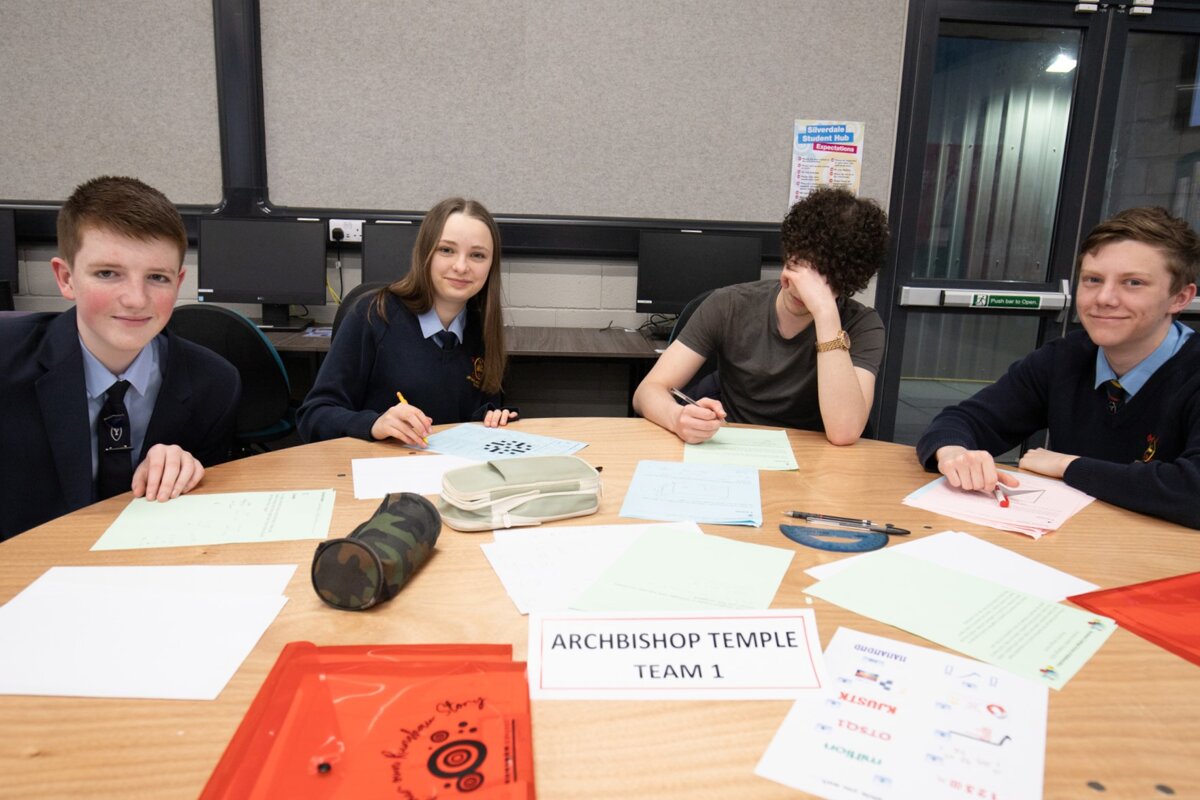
265,389
706,382
682,319
6,296
352,297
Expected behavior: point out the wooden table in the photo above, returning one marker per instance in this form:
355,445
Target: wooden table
1130,720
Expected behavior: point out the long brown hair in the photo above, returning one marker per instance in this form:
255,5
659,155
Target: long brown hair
415,289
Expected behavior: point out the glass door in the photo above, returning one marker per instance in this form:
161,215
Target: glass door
979,273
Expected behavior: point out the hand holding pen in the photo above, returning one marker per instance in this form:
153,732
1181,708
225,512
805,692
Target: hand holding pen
698,420
405,422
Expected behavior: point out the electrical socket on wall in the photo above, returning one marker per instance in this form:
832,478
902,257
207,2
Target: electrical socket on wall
351,230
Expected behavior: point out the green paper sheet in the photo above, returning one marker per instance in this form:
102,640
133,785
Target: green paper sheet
676,570
1045,642
203,519
744,447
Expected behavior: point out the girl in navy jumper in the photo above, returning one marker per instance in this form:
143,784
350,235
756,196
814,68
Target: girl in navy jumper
426,350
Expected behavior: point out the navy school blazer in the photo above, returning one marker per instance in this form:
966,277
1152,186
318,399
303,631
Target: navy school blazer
45,441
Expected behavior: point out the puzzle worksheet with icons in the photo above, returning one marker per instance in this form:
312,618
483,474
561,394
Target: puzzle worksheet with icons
477,443
901,721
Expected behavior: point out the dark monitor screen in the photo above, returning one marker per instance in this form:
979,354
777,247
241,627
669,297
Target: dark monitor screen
275,262
673,267
387,250
8,248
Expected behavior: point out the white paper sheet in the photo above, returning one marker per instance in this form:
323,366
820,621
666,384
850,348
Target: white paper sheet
544,568
376,477
899,721
974,556
136,632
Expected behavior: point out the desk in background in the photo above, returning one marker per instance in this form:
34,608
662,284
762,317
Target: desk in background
1130,720
525,344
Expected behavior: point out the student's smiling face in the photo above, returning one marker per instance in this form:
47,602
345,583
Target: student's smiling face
124,290
462,261
1125,300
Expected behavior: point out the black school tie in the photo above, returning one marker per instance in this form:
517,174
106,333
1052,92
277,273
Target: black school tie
114,473
446,340
1115,394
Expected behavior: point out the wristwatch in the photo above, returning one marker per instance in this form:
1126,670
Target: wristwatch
842,342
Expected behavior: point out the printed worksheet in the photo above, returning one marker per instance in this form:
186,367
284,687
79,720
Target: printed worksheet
477,443
897,721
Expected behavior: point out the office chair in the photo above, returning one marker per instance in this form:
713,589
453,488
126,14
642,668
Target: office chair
705,382
265,413
352,297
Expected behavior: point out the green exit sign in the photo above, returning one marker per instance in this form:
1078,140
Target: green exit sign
981,300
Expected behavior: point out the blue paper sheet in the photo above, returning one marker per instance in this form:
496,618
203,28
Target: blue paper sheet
490,444
679,492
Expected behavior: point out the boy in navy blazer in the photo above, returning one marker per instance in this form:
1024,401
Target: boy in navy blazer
101,399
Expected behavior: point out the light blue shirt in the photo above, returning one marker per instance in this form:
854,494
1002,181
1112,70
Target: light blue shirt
430,324
1136,378
145,379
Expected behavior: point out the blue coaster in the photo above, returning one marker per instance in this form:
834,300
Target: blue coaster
860,541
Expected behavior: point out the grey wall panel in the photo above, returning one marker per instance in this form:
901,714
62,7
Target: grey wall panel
120,87
628,108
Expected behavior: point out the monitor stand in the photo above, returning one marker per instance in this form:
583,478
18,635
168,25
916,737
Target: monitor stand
275,318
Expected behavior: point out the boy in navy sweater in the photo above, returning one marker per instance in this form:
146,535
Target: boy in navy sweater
1120,399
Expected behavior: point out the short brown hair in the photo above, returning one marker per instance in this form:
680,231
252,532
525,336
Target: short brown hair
121,205
1152,225
844,237
415,289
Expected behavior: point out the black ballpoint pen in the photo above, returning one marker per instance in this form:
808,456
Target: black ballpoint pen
847,522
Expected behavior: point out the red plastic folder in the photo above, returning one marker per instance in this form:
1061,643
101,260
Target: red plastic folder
1165,611
404,721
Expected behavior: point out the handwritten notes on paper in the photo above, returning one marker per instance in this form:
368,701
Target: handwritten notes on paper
1045,642
1036,507
759,655
202,519
897,721
744,447
713,493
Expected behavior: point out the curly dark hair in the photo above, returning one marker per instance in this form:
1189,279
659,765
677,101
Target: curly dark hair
844,237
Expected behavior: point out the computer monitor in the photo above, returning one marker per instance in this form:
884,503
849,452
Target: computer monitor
674,267
8,248
387,250
275,262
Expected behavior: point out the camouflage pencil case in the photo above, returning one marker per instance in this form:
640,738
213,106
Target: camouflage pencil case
513,492
372,564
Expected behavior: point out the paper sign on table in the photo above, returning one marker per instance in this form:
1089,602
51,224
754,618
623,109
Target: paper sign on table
713,493
1042,641
897,721
202,519
759,655
744,447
